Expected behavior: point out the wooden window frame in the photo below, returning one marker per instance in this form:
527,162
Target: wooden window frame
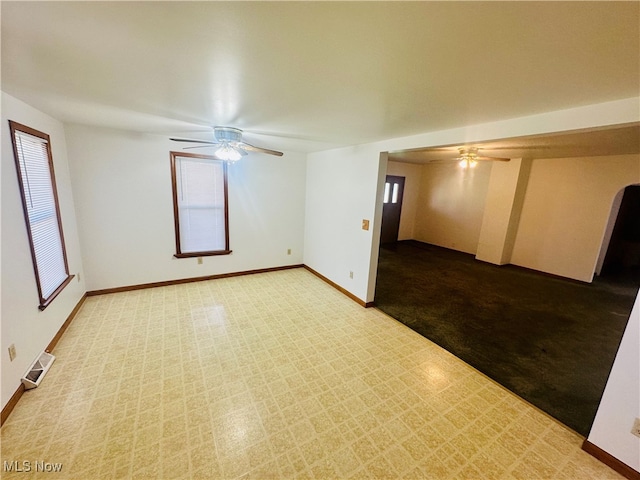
174,185
17,127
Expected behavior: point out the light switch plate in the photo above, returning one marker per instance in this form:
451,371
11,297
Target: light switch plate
365,224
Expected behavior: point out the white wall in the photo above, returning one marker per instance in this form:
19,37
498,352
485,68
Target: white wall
507,186
122,183
340,194
450,205
412,173
565,212
620,404
23,324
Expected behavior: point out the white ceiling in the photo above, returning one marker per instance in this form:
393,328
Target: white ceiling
313,75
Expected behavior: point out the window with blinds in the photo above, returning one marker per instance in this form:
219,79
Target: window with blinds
34,164
200,205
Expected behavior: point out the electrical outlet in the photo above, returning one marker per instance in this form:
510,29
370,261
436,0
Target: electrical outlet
199,260
350,274
288,251
636,427
12,352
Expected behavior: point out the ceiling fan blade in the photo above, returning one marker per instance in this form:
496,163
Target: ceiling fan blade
519,147
494,159
193,141
201,146
439,161
251,148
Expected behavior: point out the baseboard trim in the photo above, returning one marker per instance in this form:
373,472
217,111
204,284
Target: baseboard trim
611,461
339,288
179,281
65,325
13,401
11,404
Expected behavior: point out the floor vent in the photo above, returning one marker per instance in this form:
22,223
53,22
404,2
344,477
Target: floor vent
38,370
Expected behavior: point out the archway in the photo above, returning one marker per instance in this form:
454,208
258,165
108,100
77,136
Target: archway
622,257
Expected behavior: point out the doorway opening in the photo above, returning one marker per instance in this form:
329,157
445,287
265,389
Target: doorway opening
622,259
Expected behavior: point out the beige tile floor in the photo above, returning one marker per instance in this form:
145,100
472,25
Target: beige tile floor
274,375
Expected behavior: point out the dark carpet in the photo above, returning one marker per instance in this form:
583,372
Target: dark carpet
549,340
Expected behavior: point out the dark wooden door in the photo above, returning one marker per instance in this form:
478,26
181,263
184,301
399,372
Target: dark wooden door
391,208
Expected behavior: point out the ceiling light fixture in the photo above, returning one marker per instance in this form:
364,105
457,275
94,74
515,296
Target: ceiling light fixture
227,153
468,157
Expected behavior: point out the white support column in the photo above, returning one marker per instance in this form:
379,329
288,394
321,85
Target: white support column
507,186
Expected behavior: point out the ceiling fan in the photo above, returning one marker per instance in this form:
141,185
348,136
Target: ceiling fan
469,157
230,145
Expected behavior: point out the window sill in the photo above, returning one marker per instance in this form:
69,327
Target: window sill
45,303
202,254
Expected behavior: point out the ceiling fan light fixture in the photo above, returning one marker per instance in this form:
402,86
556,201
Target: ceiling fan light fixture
467,163
468,157
227,153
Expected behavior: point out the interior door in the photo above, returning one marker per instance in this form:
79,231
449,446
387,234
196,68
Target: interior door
391,208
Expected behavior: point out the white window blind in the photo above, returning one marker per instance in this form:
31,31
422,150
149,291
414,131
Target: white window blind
36,178
201,205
